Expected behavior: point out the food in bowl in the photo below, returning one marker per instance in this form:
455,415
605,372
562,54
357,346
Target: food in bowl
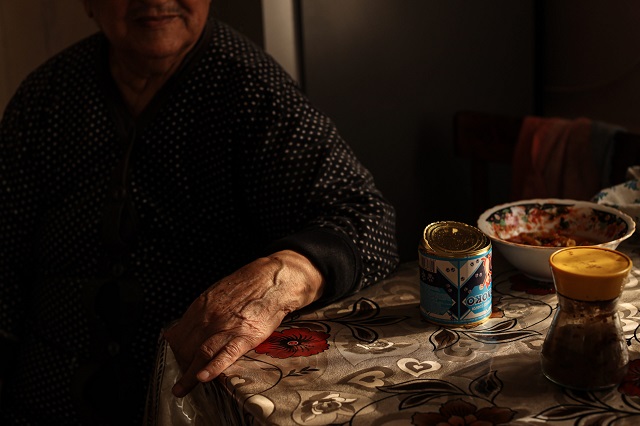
601,225
550,239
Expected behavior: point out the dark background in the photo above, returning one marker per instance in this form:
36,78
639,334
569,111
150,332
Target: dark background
391,73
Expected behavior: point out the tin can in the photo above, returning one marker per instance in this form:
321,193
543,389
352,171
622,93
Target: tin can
455,274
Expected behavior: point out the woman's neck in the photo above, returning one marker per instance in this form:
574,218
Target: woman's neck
139,81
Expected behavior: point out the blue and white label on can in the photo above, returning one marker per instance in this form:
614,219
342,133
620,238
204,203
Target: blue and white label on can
455,291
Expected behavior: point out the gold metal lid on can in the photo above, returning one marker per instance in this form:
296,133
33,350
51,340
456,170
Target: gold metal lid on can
455,239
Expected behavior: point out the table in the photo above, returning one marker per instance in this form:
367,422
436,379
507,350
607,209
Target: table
371,359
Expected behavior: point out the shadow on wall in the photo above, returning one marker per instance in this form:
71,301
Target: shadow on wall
431,185
392,73
442,189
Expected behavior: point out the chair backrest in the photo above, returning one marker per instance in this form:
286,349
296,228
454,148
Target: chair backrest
488,139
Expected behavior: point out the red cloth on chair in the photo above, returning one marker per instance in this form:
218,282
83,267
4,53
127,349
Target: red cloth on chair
553,158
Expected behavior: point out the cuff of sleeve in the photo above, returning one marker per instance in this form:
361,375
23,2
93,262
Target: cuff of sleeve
333,253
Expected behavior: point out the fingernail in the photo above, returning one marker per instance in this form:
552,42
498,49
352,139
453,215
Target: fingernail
203,375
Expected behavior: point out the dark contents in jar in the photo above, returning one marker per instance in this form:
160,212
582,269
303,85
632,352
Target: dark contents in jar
585,356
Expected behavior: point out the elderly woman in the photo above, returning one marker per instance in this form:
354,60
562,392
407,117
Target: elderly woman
166,169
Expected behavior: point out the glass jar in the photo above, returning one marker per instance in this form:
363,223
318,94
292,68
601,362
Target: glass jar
585,348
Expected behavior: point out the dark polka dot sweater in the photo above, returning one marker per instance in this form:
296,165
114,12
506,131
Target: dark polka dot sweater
101,212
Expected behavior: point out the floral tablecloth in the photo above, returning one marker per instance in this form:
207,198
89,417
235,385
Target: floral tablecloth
372,360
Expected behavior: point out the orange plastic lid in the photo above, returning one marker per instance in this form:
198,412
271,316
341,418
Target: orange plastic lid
589,273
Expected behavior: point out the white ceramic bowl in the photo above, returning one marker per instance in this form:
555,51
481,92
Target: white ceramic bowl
606,226
624,197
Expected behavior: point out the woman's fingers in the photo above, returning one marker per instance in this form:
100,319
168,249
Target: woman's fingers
229,354
181,340
208,364
237,313
188,381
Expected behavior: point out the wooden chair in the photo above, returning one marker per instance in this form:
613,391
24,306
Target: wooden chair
489,139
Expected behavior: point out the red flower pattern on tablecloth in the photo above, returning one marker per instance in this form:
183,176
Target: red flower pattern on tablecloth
294,342
630,384
461,413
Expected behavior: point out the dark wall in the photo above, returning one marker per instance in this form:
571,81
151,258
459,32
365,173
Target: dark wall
392,73
243,15
592,61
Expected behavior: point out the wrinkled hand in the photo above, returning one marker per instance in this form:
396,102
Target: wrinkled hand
238,313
